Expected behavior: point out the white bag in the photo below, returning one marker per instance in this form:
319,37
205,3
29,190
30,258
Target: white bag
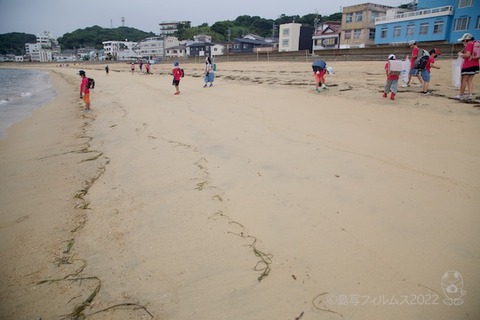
456,72
405,70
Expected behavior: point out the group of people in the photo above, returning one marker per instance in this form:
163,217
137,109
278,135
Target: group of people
423,73
209,75
470,67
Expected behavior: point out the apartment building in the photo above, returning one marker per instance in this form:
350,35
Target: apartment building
151,48
44,49
120,50
433,20
168,28
295,37
358,24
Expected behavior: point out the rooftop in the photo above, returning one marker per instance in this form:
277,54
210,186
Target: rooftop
419,14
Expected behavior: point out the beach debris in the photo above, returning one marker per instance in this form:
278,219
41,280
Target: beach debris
69,245
263,265
319,299
300,316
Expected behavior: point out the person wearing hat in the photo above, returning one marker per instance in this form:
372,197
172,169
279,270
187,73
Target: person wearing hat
177,75
470,67
84,90
392,79
413,72
426,72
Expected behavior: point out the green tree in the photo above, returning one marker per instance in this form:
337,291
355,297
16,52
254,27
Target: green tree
94,36
14,43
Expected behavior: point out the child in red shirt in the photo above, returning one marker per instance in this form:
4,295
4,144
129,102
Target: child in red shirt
177,75
392,79
470,67
426,72
84,90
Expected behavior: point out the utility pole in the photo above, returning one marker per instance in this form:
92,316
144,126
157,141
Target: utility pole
274,31
316,21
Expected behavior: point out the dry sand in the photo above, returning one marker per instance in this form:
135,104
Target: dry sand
254,199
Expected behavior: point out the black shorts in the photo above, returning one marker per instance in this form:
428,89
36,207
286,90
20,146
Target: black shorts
470,71
176,82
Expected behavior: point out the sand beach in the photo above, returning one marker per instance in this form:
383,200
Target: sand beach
257,198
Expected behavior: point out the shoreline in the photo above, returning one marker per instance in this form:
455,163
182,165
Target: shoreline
40,159
34,94
233,199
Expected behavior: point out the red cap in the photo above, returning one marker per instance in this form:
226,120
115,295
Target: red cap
437,52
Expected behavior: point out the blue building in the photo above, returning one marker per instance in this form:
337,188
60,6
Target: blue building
434,20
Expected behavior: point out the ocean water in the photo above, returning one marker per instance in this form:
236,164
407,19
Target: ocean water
21,92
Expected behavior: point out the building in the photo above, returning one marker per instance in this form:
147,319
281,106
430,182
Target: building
433,20
44,49
151,48
172,41
249,43
466,18
48,42
202,38
199,49
176,52
120,50
295,37
34,52
358,24
217,49
327,36
168,28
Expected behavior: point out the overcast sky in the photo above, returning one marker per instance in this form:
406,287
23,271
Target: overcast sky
62,16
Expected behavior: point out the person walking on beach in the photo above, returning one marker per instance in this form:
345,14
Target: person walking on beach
132,67
470,67
425,73
413,72
392,79
107,69
84,90
177,75
209,73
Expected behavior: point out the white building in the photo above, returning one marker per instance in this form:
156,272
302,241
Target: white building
176,52
168,28
289,37
217,50
120,50
171,42
295,37
45,48
151,48
36,53
48,42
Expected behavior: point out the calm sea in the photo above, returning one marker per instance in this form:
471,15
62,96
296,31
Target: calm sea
22,91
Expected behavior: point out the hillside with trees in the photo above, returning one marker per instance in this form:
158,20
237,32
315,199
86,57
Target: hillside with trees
14,43
220,31
94,36
229,30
